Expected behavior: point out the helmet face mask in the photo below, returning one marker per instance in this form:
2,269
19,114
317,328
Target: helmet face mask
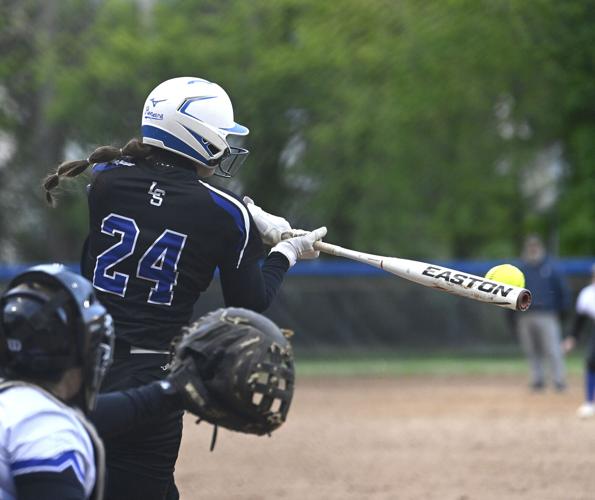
231,161
192,117
50,321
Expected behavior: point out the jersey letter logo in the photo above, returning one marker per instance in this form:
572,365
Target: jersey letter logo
157,195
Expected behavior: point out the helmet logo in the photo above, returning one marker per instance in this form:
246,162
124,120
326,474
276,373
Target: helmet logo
151,115
197,80
156,101
190,100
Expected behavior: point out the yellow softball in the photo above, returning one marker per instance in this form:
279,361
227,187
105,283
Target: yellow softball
507,273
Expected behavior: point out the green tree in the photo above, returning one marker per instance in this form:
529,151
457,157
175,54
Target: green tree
406,127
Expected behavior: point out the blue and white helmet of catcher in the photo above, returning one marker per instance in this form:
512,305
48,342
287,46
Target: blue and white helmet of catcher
193,117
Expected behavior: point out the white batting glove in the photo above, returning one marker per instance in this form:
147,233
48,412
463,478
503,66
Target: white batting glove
300,247
270,227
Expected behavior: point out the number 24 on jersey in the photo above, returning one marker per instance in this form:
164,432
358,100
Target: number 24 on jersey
158,264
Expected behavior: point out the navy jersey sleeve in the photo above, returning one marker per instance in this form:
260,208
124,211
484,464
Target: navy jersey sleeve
49,486
244,281
252,286
248,284
118,412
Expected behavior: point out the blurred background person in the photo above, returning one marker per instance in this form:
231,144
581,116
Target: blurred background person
585,310
540,328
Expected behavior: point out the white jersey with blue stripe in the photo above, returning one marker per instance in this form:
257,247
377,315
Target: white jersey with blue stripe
38,434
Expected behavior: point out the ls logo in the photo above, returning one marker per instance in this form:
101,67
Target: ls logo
157,195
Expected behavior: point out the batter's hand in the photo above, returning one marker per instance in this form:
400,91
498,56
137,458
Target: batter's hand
300,247
271,227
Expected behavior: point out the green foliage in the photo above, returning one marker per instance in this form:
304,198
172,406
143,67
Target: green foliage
406,127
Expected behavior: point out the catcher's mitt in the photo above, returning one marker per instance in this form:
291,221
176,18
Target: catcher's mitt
234,368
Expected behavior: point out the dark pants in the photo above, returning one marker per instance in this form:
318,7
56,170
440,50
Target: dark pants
140,464
591,352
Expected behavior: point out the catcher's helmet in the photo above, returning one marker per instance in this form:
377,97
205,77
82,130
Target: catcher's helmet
245,364
193,117
50,321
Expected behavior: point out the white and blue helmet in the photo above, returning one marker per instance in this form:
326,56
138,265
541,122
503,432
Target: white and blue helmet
192,117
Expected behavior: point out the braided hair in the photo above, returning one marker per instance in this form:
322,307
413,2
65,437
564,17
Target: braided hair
134,148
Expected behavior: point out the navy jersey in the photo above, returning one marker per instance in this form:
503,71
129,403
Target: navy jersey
157,233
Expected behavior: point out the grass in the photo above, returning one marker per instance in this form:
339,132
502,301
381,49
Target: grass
432,365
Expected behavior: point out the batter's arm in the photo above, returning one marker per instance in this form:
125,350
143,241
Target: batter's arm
253,286
49,486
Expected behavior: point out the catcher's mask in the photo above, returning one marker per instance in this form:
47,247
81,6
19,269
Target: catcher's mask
50,321
246,367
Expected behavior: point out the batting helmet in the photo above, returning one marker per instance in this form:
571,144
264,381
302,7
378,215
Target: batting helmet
50,321
193,117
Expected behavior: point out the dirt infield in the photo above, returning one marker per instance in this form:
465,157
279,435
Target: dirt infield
460,438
